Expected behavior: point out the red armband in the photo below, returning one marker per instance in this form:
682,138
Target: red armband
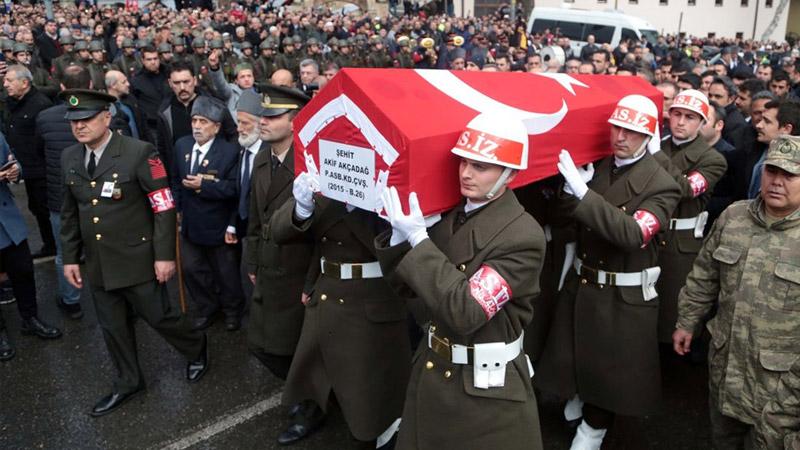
490,290
648,223
161,200
697,182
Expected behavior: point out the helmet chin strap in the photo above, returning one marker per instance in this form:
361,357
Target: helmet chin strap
499,183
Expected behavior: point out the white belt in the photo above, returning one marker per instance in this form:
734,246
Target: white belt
697,224
347,271
609,278
460,354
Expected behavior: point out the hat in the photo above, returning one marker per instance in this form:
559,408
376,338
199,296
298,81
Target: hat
142,43
126,43
216,43
21,47
67,40
784,152
198,43
279,100
246,44
81,45
208,107
250,102
178,41
85,103
164,47
96,46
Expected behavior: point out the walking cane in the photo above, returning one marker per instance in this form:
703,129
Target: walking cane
181,293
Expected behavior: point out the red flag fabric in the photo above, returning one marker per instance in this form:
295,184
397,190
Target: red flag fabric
371,128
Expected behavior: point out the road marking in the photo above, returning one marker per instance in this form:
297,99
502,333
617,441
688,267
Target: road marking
222,424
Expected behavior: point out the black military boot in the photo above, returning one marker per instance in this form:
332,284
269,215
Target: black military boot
35,326
6,349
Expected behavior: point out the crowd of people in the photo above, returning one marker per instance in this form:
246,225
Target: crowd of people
130,127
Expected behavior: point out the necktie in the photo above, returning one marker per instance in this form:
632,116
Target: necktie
92,164
275,163
244,190
196,163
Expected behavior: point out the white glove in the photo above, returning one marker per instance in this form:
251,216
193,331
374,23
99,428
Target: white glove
654,145
303,191
576,177
409,227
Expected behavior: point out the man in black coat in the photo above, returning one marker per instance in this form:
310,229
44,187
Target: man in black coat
723,92
53,135
23,105
149,85
47,43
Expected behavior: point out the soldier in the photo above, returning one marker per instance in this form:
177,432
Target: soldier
82,55
404,58
609,295
165,54
378,56
198,57
354,340
476,295
41,79
345,58
247,54
697,168
126,62
313,51
226,62
60,63
265,64
779,425
178,49
288,60
98,65
747,268
283,274
110,180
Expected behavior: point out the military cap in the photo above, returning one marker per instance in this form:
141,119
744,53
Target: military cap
216,43
266,44
345,42
142,43
280,100
178,41
209,107
458,53
296,39
96,46
128,43
784,153
402,41
7,45
333,42
81,45
374,39
312,41
287,41
246,45
164,47
198,43
21,47
250,102
85,103
67,40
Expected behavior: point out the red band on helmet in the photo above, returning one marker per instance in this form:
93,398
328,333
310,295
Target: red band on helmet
635,118
697,182
490,290
487,146
648,223
161,200
692,103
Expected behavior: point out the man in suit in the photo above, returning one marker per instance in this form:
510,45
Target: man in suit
204,182
281,273
118,211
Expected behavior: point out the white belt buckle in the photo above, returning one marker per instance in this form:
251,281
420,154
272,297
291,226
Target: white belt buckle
489,366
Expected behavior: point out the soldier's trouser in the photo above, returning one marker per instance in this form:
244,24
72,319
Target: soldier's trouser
151,302
728,433
18,264
201,263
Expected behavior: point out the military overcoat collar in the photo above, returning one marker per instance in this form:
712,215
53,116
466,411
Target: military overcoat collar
691,153
284,174
629,184
107,161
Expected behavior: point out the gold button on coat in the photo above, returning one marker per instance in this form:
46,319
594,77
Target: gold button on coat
583,281
462,267
429,365
448,374
341,301
98,236
324,239
94,201
95,219
323,297
92,183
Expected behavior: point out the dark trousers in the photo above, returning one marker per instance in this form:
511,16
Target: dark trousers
208,267
728,433
37,203
151,302
17,263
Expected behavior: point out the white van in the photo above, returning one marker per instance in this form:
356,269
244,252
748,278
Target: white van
608,27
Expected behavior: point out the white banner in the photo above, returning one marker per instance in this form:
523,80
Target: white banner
347,173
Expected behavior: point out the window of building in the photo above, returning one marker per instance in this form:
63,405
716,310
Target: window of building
717,2
633,2
740,35
712,35
692,2
744,2
663,2
768,3
602,1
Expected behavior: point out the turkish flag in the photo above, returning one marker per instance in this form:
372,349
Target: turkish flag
371,128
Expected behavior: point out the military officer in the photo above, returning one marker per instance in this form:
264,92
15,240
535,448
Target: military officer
748,269
82,55
404,58
354,341
345,58
60,63
265,64
118,211
609,299
475,274
126,62
41,79
289,58
378,56
98,66
697,168
178,49
283,273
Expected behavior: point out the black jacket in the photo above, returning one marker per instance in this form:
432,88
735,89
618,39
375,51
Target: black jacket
734,124
150,89
53,135
49,49
21,131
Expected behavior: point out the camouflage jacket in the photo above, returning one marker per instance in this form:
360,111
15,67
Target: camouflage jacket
779,426
751,270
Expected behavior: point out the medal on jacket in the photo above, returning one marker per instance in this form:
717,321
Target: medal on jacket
116,193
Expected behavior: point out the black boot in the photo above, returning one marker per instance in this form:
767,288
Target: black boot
306,417
6,349
35,326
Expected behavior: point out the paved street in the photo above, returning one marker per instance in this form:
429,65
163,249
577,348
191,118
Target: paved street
47,390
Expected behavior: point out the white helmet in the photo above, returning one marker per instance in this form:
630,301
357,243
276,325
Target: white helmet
636,113
693,100
495,139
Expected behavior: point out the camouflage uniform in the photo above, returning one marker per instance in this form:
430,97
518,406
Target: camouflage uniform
779,426
124,63
749,267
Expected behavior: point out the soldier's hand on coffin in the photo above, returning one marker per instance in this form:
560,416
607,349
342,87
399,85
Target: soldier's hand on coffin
164,270
681,341
303,192
575,178
410,227
193,181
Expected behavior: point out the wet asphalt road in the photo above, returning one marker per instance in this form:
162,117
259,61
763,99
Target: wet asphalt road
47,390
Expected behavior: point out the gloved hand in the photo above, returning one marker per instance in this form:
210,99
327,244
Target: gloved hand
654,144
303,191
576,177
409,227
